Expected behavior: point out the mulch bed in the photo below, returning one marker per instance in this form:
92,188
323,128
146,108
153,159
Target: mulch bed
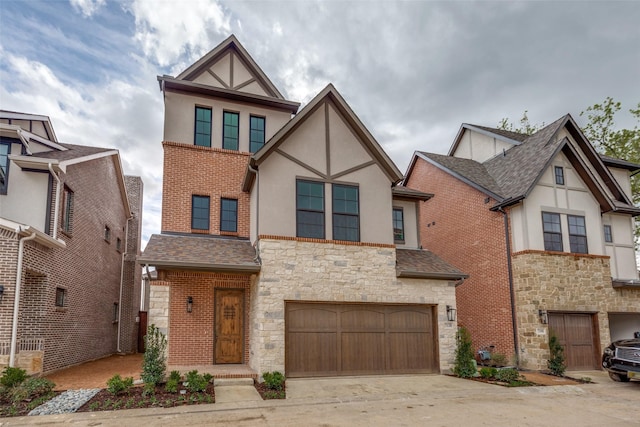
266,393
134,398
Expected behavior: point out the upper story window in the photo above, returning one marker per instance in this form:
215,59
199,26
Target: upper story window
5,150
346,213
310,209
256,133
67,210
230,130
203,127
229,215
119,244
608,234
107,233
398,225
200,212
577,234
552,231
559,173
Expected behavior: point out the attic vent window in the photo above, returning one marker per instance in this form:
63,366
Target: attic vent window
559,172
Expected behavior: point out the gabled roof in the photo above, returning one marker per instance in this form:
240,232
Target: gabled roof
217,52
185,81
15,115
405,193
514,138
329,93
612,162
200,252
511,176
418,263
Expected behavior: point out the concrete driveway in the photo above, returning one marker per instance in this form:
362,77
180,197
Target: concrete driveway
410,400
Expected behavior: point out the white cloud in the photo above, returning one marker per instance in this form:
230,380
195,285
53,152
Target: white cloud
115,113
171,33
87,7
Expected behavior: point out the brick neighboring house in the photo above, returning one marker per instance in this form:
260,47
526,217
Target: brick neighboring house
286,244
69,236
544,227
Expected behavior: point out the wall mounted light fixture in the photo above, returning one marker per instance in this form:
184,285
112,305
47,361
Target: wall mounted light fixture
451,313
189,304
544,317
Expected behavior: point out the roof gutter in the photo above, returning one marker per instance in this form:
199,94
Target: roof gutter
16,298
201,266
410,274
506,203
514,323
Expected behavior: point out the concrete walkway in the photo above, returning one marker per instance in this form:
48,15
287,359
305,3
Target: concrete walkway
394,400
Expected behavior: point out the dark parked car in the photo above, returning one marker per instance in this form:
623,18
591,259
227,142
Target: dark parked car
622,360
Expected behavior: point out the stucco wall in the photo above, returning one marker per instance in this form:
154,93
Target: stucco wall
309,271
571,283
479,147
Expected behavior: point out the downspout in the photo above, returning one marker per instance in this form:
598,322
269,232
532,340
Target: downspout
511,290
124,254
255,172
16,301
56,209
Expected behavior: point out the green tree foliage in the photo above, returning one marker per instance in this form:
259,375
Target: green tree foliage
154,361
464,365
555,363
525,127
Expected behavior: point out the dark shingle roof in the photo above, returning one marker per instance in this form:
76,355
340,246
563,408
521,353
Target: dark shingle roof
73,152
469,169
419,263
521,165
200,252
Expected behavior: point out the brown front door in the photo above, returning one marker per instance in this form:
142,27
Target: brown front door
229,338
575,332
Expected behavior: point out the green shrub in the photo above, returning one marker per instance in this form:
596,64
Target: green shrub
12,377
154,362
488,373
175,375
195,382
117,385
274,380
507,375
464,365
172,385
30,389
149,389
556,362
498,359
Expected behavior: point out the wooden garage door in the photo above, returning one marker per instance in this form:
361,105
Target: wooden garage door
576,334
359,339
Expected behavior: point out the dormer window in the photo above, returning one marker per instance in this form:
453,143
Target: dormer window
559,172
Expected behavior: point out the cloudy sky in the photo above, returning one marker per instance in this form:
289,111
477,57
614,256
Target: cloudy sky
413,70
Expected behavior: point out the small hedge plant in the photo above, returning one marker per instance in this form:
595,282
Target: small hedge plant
465,363
556,362
16,386
196,382
117,385
274,380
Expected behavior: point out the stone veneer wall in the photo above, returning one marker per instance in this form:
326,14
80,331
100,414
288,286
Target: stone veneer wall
158,313
563,282
333,272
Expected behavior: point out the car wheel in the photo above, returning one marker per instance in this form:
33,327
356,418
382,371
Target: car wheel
618,377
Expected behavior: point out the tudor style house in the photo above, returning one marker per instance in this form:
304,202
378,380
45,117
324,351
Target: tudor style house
286,243
544,227
69,236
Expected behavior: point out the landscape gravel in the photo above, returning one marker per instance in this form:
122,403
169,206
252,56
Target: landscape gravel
69,401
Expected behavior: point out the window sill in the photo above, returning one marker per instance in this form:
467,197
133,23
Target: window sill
198,231
229,233
61,309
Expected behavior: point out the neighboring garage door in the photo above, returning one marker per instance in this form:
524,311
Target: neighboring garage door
576,334
359,339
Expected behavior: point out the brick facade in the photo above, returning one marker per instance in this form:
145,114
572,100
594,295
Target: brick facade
457,225
88,268
194,170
